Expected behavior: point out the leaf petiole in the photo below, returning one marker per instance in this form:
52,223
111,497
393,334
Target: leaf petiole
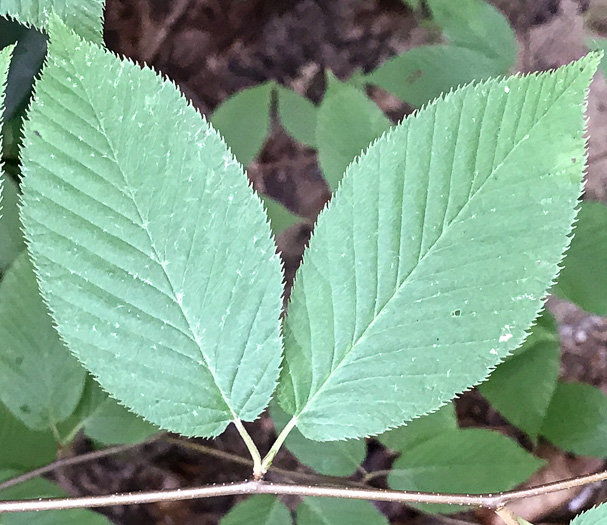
267,461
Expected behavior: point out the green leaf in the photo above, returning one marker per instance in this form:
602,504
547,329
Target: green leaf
298,115
470,461
85,17
113,424
258,510
347,121
336,458
408,293
5,59
153,252
583,278
521,388
40,380
594,516
421,429
23,448
41,488
92,398
280,217
329,511
425,72
576,420
478,25
28,56
11,236
244,121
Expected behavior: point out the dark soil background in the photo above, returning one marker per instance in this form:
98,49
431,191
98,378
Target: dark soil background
212,49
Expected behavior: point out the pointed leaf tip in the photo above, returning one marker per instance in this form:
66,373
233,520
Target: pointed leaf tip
152,251
423,272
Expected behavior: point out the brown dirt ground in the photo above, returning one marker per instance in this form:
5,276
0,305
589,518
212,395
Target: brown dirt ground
213,48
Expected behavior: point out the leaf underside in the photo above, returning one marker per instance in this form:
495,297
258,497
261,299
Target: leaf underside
151,249
83,16
423,272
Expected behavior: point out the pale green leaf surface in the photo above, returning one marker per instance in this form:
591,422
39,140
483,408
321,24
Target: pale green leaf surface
153,252
408,292
298,115
23,448
576,420
11,236
347,122
478,25
244,121
521,388
421,429
113,424
279,216
332,511
40,380
258,510
5,59
595,516
42,488
85,17
583,279
333,458
423,73
470,461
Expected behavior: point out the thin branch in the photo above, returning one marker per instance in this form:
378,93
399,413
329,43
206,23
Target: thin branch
67,462
162,33
289,474
490,501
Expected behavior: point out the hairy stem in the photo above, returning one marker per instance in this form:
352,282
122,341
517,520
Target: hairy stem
267,461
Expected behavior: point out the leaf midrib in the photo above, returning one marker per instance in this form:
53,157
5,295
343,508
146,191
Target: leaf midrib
406,279
154,249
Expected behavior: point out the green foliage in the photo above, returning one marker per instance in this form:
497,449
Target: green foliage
595,516
334,458
244,121
423,73
258,510
5,59
482,45
113,424
119,213
476,24
41,488
156,259
462,461
342,132
396,280
312,511
280,217
419,430
83,16
26,63
23,448
298,116
41,382
11,236
576,420
527,378
582,279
